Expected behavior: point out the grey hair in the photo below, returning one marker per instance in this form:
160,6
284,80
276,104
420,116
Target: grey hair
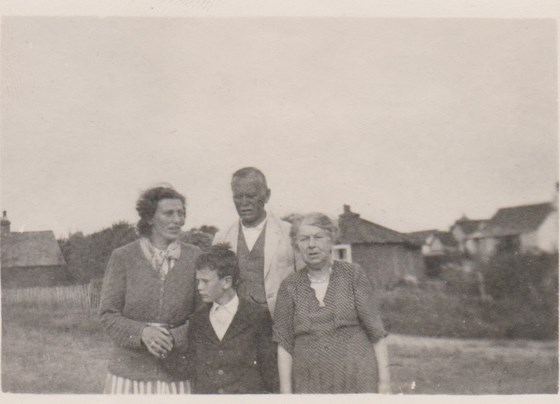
316,219
248,172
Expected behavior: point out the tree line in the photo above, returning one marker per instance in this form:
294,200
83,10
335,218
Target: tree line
87,255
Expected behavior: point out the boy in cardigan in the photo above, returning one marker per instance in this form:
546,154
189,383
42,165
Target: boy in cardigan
230,342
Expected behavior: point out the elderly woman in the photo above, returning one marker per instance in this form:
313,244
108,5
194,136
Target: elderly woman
148,294
327,321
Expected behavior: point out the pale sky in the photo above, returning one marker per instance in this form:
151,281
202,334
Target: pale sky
412,122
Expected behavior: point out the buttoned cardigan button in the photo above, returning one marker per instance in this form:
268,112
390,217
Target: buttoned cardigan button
220,372
221,391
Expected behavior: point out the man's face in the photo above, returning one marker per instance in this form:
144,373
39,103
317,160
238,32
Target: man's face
250,196
209,285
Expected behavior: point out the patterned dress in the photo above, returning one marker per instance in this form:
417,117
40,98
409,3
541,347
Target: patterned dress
331,346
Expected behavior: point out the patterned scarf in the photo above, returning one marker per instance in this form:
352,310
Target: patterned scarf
162,261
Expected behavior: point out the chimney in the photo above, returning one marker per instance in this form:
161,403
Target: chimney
348,212
4,225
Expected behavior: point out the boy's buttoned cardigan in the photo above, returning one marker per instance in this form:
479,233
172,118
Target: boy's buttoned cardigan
243,362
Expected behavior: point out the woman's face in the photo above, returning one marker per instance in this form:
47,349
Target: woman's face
315,246
167,222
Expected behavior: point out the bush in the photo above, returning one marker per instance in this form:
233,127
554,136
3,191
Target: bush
198,238
87,256
437,310
525,276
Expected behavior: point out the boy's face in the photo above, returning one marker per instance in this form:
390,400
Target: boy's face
209,285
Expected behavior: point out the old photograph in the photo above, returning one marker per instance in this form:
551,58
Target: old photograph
279,204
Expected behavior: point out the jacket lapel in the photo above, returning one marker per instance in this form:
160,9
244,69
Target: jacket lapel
206,327
270,243
239,322
233,235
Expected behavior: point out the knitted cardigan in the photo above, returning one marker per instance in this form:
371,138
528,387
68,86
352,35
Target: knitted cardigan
133,295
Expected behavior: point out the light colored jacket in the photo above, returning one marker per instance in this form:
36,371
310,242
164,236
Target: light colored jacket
279,258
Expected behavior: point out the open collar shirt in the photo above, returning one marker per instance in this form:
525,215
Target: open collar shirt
251,234
221,316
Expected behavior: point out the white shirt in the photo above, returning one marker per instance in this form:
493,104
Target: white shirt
222,315
251,234
320,291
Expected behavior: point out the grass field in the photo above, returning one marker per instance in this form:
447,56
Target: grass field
65,351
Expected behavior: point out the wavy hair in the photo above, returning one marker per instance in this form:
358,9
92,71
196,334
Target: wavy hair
147,204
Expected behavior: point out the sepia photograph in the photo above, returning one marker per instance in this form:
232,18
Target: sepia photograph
301,201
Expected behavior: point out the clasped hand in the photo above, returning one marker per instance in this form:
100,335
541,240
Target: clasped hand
158,340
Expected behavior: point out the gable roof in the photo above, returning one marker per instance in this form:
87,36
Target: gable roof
30,249
467,225
446,238
421,236
355,230
515,220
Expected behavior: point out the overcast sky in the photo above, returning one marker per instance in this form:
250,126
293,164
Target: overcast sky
412,122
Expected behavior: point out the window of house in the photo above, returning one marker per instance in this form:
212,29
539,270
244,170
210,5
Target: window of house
342,252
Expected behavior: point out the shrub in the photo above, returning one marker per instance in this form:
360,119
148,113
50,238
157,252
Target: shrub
437,310
525,276
87,256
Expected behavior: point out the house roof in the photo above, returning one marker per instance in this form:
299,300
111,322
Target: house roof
421,236
446,238
515,220
355,230
30,249
467,225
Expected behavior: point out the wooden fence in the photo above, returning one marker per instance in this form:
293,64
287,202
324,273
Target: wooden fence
77,296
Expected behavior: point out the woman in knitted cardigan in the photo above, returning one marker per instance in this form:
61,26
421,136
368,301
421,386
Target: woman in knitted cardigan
148,293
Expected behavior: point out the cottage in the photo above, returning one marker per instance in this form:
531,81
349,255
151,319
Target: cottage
440,243
462,229
395,256
31,258
527,228
421,238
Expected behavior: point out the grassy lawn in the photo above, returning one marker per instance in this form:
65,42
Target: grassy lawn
447,366
62,351
52,352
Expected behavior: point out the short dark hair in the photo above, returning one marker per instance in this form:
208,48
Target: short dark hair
247,172
222,259
147,204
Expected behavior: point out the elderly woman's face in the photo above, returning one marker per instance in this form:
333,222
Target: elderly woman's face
315,245
167,221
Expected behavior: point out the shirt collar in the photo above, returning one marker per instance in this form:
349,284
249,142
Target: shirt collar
230,307
257,228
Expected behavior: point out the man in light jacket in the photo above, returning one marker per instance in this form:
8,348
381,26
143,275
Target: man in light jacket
260,239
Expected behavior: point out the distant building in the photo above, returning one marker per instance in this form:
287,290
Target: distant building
395,256
440,243
528,228
31,259
462,229
421,237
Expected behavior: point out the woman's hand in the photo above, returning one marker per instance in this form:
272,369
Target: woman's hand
158,340
382,356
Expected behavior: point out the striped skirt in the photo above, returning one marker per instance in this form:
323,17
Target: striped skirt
120,385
